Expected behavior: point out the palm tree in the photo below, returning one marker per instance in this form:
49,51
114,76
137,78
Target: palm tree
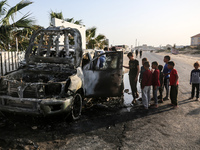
8,23
71,20
23,36
58,15
91,40
101,41
94,42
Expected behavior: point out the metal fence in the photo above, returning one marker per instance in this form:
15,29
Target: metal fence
9,61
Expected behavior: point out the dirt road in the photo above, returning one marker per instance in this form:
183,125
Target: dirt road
114,127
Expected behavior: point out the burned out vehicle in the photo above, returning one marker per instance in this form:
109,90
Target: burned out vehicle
103,75
55,76
50,80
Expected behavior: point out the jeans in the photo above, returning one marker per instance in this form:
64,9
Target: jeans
155,91
166,85
195,85
146,96
133,85
174,94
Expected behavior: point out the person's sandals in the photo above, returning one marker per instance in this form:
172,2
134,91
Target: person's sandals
154,106
175,106
160,101
197,99
190,98
137,95
126,90
134,102
166,98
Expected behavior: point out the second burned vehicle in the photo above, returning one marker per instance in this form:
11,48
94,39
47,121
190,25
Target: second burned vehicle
51,80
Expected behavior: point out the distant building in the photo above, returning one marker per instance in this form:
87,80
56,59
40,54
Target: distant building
195,40
145,47
121,47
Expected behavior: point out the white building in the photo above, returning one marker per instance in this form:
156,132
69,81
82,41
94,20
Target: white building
58,22
195,40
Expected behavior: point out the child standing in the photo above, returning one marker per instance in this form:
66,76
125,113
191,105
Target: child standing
133,75
155,82
142,70
146,85
174,84
194,80
161,78
166,72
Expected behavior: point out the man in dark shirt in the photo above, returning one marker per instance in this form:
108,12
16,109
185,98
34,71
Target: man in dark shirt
133,75
136,53
140,53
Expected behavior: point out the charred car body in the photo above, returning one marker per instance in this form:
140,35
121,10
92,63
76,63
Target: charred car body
51,79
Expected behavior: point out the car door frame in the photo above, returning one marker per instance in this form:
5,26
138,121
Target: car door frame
104,82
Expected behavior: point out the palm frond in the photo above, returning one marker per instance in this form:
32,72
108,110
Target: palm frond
70,20
58,15
2,8
90,33
100,37
78,22
14,9
24,22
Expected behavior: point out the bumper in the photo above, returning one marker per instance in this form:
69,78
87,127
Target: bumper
35,106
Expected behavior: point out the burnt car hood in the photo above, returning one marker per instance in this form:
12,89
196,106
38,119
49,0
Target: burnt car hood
52,46
27,83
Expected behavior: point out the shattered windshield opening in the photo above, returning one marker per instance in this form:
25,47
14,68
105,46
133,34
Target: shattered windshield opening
106,61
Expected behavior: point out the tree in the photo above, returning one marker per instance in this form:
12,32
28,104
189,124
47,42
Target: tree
58,15
91,40
8,25
23,36
94,42
71,20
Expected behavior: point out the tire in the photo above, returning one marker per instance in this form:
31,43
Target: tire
76,107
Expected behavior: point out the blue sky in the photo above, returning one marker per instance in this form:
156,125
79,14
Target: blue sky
151,22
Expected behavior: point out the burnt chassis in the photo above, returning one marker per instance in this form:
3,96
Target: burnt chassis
33,88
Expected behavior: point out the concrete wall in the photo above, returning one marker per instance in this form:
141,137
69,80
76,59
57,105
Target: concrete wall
58,22
195,41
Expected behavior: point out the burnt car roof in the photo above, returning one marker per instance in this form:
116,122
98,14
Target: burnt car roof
55,45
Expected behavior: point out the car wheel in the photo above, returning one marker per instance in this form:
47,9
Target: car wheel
76,106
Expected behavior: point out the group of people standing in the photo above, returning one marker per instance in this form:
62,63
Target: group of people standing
138,52
155,78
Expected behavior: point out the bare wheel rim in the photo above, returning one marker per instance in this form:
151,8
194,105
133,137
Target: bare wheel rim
77,106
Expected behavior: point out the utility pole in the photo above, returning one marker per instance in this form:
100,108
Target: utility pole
135,43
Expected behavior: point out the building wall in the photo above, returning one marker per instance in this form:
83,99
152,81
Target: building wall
195,41
58,22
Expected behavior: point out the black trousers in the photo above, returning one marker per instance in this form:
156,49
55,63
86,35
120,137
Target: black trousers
166,85
133,85
174,94
195,85
161,92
